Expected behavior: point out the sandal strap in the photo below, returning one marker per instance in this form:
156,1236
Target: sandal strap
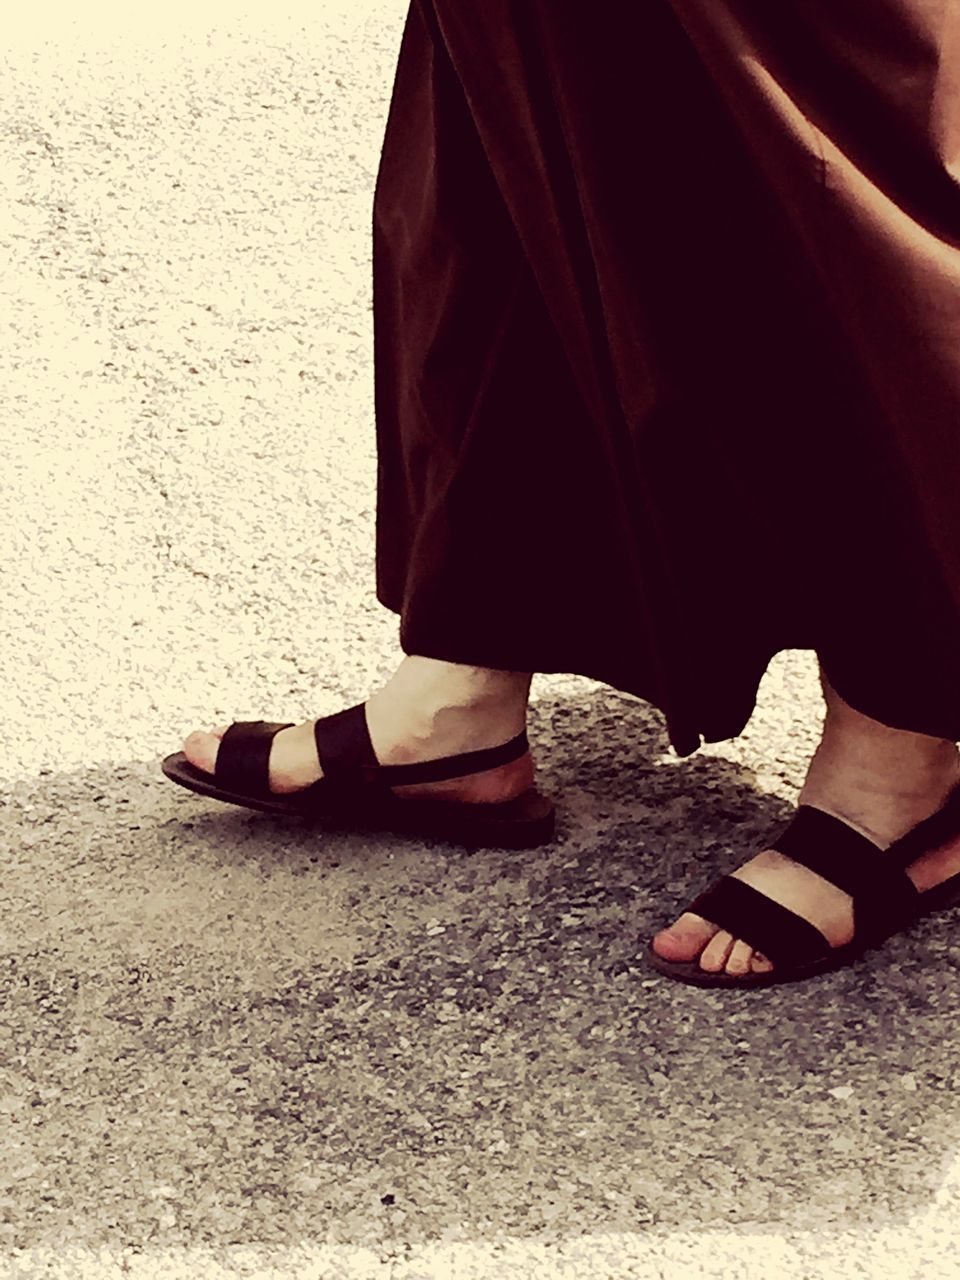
784,937
346,754
343,743
884,896
243,757
928,834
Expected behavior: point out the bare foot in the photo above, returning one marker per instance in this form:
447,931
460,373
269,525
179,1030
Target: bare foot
427,709
881,781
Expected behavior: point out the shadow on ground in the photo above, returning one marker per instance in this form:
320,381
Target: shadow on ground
225,1027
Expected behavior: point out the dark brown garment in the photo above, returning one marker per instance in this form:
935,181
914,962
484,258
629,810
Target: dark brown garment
667,347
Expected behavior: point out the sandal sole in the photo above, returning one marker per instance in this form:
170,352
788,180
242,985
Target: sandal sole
689,971
526,821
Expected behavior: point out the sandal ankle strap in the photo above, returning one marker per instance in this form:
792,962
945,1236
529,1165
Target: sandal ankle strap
347,756
928,834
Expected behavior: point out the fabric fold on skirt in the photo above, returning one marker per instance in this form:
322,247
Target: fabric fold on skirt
667,348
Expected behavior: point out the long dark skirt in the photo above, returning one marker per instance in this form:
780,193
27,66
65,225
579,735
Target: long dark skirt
667,347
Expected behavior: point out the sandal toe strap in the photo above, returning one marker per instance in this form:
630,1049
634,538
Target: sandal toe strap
243,757
780,934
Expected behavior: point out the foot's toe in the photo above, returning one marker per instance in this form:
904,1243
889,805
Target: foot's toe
714,956
738,962
760,963
685,938
201,747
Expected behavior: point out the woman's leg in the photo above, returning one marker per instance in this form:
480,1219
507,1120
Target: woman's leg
879,780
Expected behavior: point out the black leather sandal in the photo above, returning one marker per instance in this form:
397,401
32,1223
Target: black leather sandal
885,899
354,792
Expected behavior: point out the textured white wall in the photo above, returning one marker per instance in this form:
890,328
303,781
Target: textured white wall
186,373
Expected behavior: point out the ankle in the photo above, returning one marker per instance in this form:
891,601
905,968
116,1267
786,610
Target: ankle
874,754
882,784
859,742
444,689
